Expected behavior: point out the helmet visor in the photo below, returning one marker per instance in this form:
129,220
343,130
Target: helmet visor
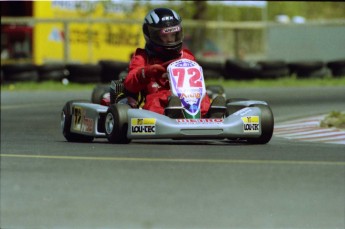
168,36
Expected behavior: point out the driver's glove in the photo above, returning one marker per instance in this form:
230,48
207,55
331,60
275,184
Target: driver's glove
151,71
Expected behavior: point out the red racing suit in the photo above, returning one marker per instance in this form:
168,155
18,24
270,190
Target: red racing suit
157,90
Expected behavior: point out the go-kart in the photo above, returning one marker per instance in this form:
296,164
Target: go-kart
236,120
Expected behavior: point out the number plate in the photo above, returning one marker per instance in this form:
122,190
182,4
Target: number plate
187,82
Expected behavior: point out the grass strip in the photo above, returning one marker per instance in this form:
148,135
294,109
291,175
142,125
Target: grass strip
334,119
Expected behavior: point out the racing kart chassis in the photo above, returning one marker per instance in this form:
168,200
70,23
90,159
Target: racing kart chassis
248,120
236,119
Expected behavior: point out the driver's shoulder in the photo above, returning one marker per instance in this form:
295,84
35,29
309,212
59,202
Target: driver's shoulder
186,53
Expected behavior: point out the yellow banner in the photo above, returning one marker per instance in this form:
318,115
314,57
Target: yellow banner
88,43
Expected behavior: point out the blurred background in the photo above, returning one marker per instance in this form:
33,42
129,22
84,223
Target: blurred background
92,41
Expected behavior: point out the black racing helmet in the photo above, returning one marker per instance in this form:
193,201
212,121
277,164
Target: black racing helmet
163,21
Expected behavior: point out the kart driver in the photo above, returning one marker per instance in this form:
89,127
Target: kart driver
147,72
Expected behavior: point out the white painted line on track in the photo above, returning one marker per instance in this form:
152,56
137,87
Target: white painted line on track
325,138
308,132
21,106
175,160
292,130
299,124
320,135
308,129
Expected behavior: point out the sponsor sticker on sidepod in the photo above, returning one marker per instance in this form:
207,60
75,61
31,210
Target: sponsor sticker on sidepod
87,125
80,122
200,121
251,123
143,125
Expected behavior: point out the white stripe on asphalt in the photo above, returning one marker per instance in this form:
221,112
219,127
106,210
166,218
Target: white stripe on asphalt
335,134
309,130
298,124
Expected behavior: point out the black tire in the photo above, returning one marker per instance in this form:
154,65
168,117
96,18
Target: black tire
20,72
218,89
214,90
266,124
22,77
240,70
84,73
66,122
305,65
230,109
2,76
274,74
18,67
52,72
111,70
273,69
308,69
336,63
98,92
212,69
339,72
212,74
116,124
57,75
272,64
337,67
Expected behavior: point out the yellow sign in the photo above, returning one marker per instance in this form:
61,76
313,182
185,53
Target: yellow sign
143,126
143,121
251,123
250,119
88,42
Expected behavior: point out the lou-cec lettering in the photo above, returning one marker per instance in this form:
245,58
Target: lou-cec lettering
143,126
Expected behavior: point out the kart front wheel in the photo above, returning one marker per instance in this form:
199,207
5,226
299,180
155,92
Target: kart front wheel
266,125
116,124
66,122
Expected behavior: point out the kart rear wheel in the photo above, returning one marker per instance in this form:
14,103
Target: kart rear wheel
98,93
116,124
266,125
66,122
214,90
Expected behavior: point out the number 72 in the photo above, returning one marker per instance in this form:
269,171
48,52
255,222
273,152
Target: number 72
192,73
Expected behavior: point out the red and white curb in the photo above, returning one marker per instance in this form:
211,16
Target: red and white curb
308,129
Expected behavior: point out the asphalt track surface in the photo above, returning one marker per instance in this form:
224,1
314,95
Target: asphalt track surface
47,182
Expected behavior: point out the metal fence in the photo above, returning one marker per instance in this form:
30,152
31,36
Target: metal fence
324,41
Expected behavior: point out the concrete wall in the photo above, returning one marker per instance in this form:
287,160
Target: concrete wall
306,42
